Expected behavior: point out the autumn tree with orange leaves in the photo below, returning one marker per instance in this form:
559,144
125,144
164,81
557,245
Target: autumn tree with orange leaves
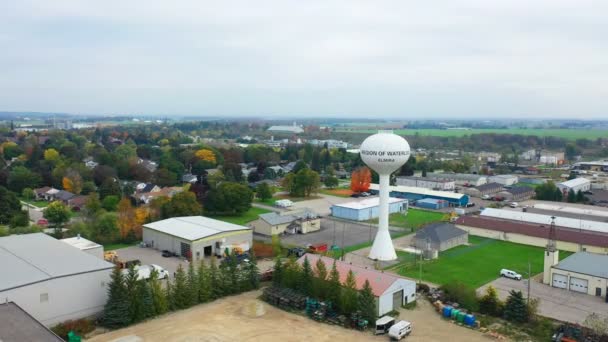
127,220
360,179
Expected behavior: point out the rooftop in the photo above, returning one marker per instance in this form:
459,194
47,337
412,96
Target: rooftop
287,217
80,243
38,257
193,227
439,232
294,129
575,182
378,280
463,176
516,190
586,263
425,179
369,202
18,325
421,191
488,186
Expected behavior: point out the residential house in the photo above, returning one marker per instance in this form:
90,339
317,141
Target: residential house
292,222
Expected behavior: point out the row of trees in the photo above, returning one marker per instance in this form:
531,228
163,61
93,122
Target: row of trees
302,181
131,300
550,192
323,284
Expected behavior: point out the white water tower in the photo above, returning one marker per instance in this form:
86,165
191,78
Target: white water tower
384,152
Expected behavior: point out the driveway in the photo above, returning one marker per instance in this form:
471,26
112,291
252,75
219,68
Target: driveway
149,256
559,304
322,205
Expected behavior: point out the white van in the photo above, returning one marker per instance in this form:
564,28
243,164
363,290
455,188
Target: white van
513,205
400,330
510,274
284,203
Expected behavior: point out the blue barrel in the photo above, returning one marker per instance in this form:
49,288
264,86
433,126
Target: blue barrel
469,320
447,311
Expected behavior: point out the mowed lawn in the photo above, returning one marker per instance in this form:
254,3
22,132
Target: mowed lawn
478,263
566,133
248,216
414,219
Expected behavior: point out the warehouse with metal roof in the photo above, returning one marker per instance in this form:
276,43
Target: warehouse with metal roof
415,193
291,222
391,291
196,237
51,280
582,272
367,208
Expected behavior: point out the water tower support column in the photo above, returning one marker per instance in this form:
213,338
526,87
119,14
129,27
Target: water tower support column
383,249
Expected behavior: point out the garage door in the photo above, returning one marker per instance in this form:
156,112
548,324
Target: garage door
397,300
578,284
560,281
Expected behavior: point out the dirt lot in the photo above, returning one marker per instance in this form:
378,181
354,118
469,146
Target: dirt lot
244,318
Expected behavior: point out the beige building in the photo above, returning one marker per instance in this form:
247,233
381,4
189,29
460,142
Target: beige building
582,272
291,222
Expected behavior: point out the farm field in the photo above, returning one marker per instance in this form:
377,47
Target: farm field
571,134
414,219
478,263
248,216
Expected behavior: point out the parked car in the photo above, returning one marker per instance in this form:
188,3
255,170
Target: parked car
510,274
383,325
470,204
399,330
513,204
365,194
145,271
167,254
486,197
240,258
296,251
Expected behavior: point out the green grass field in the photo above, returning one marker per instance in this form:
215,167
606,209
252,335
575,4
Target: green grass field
115,246
250,215
571,134
478,263
414,219
39,204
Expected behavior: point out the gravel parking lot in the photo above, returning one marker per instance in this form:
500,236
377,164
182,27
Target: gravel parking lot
555,303
149,256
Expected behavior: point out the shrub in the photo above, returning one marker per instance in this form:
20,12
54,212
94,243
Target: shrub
423,288
79,326
461,294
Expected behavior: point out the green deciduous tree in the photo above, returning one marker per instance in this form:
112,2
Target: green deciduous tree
515,308
9,205
57,214
331,182
229,198
116,310
181,204
110,203
263,191
20,178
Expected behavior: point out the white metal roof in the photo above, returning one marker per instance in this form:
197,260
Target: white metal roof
420,191
575,182
369,202
573,210
80,243
545,219
193,227
31,258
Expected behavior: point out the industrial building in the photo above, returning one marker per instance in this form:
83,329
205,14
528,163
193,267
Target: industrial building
440,237
582,272
286,129
415,194
423,182
292,222
534,234
567,222
431,203
576,185
390,290
196,237
85,245
504,180
598,165
51,280
517,193
367,209
487,189
463,179
18,325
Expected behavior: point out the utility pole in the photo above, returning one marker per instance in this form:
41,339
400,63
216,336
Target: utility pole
529,280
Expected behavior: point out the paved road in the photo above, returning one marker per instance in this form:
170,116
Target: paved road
34,212
555,303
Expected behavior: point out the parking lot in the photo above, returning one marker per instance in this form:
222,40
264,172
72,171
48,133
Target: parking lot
555,303
149,256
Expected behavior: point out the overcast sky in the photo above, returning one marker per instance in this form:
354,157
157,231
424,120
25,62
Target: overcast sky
403,59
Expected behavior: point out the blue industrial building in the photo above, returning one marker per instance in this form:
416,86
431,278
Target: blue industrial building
415,194
367,209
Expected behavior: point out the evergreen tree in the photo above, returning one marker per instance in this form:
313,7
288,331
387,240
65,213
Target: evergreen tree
306,278
159,297
515,308
192,284
215,277
145,293
180,291
580,197
366,303
291,275
348,298
320,280
252,274
169,296
558,195
333,286
204,283
490,304
116,310
571,196
277,273
135,301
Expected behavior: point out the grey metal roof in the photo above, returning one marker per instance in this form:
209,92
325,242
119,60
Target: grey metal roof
586,263
16,325
275,219
38,257
520,190
488,186
64,195
193,228
439,232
